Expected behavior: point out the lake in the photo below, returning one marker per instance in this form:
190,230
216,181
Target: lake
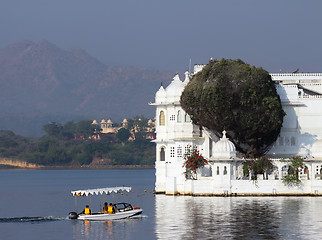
34,204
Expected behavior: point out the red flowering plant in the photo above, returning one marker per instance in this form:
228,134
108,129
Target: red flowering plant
193,160
295,165
257,166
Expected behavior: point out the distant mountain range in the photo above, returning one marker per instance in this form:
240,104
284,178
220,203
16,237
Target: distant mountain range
41,83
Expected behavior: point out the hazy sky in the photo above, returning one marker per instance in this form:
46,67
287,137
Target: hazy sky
165,34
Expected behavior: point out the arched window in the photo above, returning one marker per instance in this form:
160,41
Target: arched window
200,131
187,118
225,170
162,154
179,117
210,147
292,141
161,119
281,141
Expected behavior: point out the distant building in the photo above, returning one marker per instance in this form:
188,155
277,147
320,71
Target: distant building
301,134
108,128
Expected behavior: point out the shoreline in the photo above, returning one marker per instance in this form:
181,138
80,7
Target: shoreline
86,167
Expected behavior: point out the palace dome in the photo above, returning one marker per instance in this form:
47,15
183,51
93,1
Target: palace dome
160,95
316,149
224,148
187,78
174,90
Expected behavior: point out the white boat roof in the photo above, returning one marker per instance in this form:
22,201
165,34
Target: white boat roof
97,191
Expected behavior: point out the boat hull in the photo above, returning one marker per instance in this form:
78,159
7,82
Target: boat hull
107,217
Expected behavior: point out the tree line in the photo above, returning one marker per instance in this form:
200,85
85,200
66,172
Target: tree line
79,143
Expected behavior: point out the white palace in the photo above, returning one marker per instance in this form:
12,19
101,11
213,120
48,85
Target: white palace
301,134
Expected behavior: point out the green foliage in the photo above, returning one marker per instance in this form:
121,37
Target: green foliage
83,128
193,160
86,129
53,129
70,144
241,99
294,165
123,134
139,126
257,166
13,145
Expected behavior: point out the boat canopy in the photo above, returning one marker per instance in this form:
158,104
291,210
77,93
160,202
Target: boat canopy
97,191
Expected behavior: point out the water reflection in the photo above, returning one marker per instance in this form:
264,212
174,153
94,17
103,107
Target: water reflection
119,229
255,218
238,218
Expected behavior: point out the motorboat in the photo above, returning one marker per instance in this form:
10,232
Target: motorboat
120,210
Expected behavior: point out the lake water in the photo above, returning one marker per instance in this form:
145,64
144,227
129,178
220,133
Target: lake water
34,204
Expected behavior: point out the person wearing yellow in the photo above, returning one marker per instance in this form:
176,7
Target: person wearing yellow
87,211
105,208
110,209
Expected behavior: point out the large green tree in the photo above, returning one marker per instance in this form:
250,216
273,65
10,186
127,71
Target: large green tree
241,99
123,134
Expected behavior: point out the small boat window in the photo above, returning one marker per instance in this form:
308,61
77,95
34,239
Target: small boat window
121,207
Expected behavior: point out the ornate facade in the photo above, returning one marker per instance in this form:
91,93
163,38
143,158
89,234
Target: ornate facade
301,134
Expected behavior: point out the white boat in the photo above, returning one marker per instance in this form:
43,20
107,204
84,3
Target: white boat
121,210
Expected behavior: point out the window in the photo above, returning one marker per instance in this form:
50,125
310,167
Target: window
210,147
186,148
172,117
161,119
179,151
172,151
200,131
187,118
217,170
225,170
179,117
162,154
293,141
281,141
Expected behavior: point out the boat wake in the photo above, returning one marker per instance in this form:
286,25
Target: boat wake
30,219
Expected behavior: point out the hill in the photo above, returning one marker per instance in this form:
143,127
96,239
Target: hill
40,83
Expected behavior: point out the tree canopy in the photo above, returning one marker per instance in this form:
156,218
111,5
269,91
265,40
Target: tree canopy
241,99
75,143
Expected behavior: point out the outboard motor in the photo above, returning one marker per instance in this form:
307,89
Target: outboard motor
72,215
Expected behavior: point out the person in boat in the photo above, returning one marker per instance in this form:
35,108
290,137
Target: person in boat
105,208
110,209
87,210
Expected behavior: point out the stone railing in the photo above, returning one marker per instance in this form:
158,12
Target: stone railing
312,96
296,74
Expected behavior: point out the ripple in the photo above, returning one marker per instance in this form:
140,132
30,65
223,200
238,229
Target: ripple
238,218
30,219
